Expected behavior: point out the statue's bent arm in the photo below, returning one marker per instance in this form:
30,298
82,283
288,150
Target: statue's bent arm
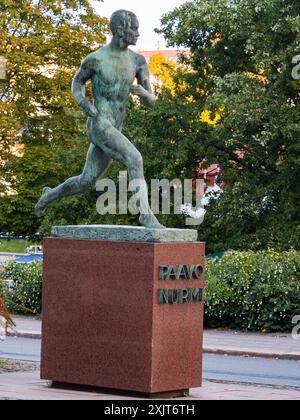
148,99
84,74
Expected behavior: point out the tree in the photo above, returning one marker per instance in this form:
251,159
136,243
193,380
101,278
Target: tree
241,63
43,43
162,69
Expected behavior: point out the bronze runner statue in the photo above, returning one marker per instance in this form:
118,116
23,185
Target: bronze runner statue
112,70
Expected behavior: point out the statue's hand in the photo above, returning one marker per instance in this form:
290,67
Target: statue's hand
89,109
138,90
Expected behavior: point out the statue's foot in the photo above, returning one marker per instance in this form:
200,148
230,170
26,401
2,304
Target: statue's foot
42,203
150,221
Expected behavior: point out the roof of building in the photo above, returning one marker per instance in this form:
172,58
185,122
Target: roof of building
169,54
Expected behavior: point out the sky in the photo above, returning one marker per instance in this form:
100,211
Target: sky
148,12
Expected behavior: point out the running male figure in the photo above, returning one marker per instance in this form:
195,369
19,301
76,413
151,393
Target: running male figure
112,71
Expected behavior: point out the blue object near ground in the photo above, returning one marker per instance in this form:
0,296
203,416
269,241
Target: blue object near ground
29,258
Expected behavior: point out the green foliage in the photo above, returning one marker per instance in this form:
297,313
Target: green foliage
240,66
13,245
43,43
253,290
25,293
2,289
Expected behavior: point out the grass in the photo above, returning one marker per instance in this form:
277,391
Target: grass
13,245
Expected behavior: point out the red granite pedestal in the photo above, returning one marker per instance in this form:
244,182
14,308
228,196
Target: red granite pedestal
103,325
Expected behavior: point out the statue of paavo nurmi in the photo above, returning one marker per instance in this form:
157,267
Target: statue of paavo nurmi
112,70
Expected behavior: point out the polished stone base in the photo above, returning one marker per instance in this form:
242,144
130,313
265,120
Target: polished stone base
103,325
124,233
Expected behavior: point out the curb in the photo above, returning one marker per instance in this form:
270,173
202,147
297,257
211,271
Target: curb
23,334
246,353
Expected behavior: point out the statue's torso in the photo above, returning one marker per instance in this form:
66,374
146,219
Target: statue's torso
113,75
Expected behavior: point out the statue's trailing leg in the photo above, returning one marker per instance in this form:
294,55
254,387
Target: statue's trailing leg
42,204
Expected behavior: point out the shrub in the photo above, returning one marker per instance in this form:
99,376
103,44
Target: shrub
2,289
24,293
253,290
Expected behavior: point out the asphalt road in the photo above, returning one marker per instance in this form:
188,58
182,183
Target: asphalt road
20,349
282,373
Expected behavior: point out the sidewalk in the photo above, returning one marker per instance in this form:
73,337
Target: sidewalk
28,386
280,346
236,343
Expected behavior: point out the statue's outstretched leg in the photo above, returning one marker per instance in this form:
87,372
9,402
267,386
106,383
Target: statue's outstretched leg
118,147
96,165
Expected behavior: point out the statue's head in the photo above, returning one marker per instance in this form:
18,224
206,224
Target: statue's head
125,26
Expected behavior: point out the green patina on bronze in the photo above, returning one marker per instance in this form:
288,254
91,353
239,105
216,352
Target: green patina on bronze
112,70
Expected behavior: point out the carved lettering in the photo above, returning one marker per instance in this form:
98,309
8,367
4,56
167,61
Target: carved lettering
181,296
